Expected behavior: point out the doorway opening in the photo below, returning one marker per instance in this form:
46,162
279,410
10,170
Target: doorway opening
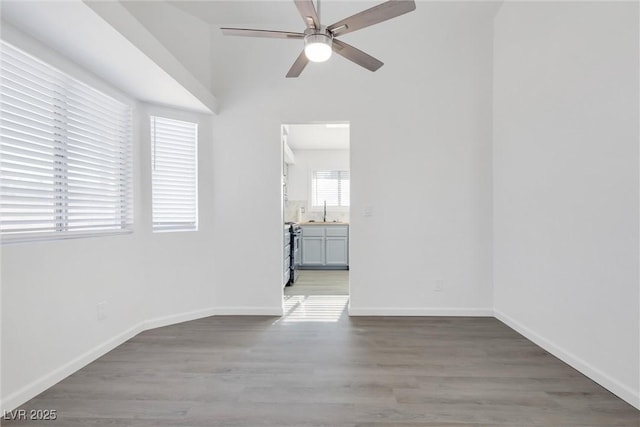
316,199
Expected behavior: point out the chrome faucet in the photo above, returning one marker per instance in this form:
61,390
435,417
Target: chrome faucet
324,215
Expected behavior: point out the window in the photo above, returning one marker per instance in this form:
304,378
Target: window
330,186
64,153
174,180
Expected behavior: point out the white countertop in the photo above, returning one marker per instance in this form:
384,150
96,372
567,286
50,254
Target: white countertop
323,223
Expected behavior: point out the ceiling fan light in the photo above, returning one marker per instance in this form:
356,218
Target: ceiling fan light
317,47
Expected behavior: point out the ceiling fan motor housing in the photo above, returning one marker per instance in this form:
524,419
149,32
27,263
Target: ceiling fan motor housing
317,44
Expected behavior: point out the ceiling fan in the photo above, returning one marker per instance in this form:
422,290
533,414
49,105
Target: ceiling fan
320,40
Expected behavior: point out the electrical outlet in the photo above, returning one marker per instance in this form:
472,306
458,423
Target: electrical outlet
438,285
102,310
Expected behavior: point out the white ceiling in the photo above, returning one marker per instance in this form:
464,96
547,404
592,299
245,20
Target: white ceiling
100,49
317,137
160,78
269,14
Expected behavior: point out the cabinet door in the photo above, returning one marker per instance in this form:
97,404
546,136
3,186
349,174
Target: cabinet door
337,251
313,251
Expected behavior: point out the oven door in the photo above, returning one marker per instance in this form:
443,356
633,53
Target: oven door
295,256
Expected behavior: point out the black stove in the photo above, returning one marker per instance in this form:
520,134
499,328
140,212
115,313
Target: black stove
296,234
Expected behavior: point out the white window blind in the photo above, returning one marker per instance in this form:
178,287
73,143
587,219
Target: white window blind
65,159
331,186
174,147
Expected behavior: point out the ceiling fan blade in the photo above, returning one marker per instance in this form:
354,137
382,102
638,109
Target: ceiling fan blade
298,65
308,12
374,15
245,32
356,55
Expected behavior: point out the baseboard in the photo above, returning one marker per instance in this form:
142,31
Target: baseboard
159,322
614,386
417,311
249,311
36,387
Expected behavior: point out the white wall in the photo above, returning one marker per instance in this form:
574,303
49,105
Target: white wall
299,182
566,183
50,290
420,156
309,160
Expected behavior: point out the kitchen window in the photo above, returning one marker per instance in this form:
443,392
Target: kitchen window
331,186
65,154
174,180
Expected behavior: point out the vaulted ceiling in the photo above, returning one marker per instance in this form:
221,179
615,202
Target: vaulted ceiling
278,14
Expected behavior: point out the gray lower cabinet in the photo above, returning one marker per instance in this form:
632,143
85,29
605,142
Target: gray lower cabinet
313,251
325,246
336,251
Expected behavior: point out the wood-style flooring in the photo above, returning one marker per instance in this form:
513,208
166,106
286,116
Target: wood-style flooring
315,366
317,296
320,282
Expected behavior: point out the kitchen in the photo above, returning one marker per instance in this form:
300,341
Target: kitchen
316,200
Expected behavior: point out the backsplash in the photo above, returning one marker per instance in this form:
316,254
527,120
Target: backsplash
291,208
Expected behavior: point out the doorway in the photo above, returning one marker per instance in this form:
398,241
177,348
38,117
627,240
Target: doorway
316,199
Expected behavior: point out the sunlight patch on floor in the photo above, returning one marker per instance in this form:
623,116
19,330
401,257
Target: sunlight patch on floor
313,308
